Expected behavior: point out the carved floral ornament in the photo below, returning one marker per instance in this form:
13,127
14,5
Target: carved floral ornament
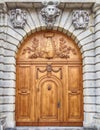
18,18
80,19
49,50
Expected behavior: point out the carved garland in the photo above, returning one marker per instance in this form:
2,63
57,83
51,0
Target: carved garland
51,50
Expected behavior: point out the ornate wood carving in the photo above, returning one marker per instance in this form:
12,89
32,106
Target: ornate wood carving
49,69
64,50
49,49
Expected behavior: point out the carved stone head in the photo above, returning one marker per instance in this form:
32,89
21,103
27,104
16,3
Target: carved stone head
50,12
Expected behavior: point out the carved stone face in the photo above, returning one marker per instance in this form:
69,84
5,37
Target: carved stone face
51,10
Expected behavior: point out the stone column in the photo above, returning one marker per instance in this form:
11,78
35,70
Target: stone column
97,62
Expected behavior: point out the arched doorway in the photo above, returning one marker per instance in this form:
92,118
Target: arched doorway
49,81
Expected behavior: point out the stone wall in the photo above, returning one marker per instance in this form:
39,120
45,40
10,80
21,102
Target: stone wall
87,39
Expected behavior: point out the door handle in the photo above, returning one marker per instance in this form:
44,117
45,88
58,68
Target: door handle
58,104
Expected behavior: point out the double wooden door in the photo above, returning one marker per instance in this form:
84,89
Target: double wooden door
49,94
49,81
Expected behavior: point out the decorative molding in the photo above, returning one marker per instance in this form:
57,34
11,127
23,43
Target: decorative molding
18,18
50,50
50,12
80,19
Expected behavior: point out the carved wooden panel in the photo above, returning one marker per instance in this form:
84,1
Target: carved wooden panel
23,93
49,45
49,97
74,93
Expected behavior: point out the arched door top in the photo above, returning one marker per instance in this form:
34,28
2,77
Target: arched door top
51,45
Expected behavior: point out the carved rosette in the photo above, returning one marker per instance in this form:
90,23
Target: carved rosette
18,17
80,19
50,50
50,12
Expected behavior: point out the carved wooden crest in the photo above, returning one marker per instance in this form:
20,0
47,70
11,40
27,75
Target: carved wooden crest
49,45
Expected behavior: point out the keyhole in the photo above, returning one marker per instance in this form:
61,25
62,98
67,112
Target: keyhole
49,87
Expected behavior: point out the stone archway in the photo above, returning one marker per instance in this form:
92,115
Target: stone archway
55,58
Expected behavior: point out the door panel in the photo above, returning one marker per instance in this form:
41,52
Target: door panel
74,93
48,100
23,93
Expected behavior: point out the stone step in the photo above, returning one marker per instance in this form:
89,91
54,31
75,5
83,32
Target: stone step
49,128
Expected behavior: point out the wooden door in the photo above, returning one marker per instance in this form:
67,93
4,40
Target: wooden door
49,81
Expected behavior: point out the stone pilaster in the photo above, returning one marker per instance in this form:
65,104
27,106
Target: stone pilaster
3,23
97,62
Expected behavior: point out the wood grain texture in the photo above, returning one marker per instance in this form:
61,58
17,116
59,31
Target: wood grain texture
49,88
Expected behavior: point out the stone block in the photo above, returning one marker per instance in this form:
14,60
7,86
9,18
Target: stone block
85,128
89,92
89,53
1,75
84,34
14,34
8,107
98,99
89,76
97,26
89,84
65,16
88,46
88,68
97,43
9,91
7,83
1,100
70,31
97,34
1,91
88,39
9,60
98,108
12,40
8,99
89,100
97,59
97,19
1,59
88,60
10,68
10,46
9,53
10,129
98,75
89,107
97,66
97,51
98,90
68,23
88,120
9,75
